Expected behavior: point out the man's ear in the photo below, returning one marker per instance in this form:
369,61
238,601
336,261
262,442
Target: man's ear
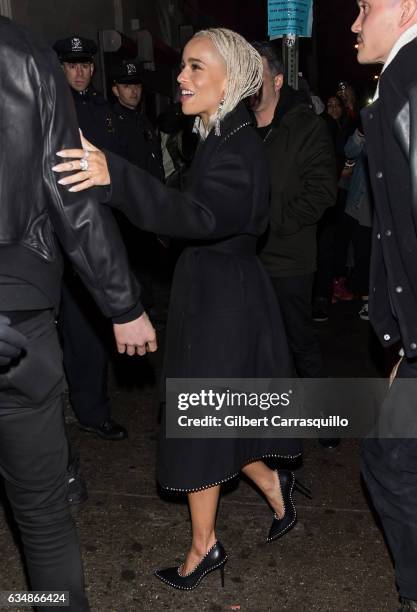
408,11
278,82
92,69
115,91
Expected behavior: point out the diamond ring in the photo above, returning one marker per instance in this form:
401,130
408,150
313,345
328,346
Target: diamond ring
84,164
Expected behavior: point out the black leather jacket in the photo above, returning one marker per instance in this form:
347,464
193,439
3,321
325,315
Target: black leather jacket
391,138
37,119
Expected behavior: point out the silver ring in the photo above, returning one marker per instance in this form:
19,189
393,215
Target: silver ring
84,164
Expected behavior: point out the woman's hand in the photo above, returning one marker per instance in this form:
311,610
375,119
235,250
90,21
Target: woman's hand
90,164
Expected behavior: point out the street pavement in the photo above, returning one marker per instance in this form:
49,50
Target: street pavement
334,560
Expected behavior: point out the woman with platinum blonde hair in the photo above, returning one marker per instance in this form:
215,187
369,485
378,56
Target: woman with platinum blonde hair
223,321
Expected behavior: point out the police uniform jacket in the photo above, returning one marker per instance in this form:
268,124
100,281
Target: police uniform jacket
393,169
143,148
97,121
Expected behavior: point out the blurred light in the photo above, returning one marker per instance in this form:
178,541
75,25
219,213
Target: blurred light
376,77
356,46
370,100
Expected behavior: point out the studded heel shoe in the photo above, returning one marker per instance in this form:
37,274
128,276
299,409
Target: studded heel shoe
288,483
215,558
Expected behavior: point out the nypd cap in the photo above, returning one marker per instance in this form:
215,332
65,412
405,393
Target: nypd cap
128,72
75,49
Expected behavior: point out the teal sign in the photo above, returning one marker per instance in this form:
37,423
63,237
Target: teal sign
290,17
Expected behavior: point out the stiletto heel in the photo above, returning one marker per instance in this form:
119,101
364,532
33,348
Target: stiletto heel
301,488
215,558
288,483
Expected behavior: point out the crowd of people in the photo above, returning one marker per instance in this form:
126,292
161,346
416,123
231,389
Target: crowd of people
270,194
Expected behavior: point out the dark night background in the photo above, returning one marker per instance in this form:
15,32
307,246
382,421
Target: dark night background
326,59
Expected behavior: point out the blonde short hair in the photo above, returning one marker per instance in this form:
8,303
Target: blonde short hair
244,68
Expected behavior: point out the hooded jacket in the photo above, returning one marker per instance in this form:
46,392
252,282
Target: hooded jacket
303,185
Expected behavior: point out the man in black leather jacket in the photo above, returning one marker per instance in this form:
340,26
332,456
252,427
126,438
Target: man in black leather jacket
387,33
37,119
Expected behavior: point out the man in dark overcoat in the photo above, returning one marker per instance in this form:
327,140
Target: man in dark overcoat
387,33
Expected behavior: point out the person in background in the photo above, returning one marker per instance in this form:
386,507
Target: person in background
179,143
142,148
359,210
136,130
84,331
347,94
333,235
302,171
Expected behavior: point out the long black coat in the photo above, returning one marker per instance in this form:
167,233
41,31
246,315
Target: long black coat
224,320
388,126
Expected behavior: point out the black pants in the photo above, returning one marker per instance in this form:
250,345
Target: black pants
332,234
33,462
84,332
389,467
362,241
294,297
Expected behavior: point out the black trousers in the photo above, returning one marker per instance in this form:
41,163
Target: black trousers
362,241
84,332
294,296
33,462
389,467
333,238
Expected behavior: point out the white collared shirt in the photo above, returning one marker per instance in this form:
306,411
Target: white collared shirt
404,39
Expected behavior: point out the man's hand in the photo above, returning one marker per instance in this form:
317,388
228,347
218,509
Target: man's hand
11,342
136,337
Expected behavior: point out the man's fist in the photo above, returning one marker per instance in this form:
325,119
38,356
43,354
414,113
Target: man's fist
11,342
136,337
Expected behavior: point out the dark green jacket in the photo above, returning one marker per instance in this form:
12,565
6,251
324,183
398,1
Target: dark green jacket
303,184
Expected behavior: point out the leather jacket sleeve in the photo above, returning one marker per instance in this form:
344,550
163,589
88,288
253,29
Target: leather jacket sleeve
88,232
405,131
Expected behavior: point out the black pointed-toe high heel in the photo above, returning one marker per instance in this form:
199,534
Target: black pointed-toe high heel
288,483
215,558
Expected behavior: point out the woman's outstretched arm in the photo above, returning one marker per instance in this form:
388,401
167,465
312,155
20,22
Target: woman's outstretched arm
217,206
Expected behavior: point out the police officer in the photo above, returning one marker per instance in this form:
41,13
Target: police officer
84,330
143,148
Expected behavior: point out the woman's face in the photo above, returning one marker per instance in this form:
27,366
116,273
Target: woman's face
334,108
202,79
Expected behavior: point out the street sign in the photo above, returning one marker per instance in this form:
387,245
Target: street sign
290,17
